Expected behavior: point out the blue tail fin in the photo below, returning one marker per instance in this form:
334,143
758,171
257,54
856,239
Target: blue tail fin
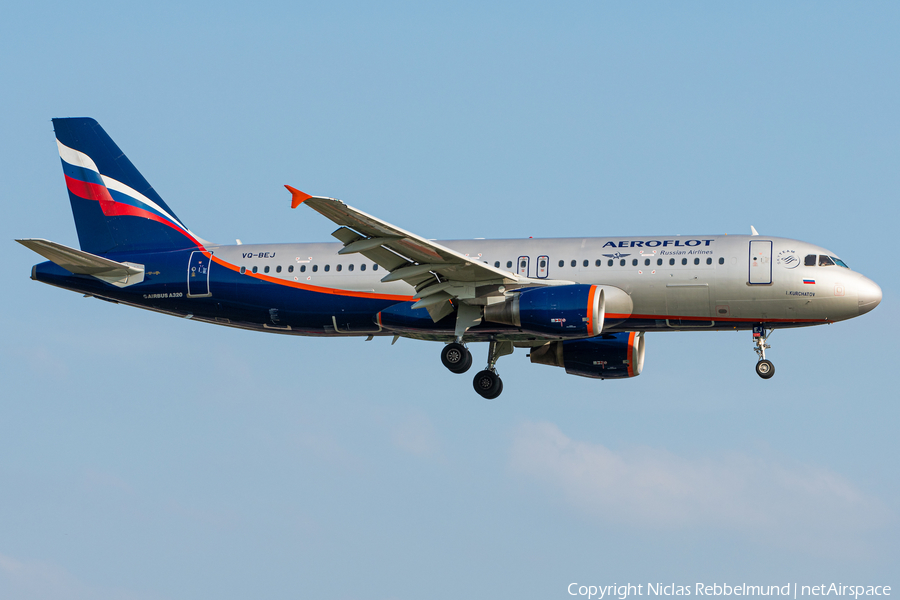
115,209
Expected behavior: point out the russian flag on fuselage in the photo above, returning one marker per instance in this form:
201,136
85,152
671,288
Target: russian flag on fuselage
115,208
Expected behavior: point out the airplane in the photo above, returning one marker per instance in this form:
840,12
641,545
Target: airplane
583,304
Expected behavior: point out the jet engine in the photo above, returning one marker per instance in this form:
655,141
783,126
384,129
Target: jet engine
609,356
563,311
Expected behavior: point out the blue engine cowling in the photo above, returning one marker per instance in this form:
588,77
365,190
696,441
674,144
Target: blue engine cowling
610,356
562,311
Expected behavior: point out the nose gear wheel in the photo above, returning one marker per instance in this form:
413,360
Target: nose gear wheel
764,367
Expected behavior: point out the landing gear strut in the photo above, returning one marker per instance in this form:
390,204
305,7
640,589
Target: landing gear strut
764,368
487,383
456,357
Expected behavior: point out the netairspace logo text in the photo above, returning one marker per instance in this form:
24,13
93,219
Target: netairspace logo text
791,590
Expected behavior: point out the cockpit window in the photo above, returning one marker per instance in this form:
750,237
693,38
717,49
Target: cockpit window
839,262
825,261
810,260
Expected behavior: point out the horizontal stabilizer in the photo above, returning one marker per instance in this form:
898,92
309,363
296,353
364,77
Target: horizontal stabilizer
84,263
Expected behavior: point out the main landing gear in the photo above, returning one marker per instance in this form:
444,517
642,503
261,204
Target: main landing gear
764,368
456,358
487,383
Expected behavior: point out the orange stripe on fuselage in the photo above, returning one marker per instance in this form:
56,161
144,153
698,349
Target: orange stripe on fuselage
312,288
399,298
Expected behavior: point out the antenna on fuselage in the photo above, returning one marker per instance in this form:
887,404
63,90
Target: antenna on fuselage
753,230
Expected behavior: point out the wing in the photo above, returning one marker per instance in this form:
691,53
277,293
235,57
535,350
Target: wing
438,273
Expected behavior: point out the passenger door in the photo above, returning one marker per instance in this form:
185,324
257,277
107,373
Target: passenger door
760,263
198,274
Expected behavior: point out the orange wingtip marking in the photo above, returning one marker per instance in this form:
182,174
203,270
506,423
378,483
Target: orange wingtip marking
297,197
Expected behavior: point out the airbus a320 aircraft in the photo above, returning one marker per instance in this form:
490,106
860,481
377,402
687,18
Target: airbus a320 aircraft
583,304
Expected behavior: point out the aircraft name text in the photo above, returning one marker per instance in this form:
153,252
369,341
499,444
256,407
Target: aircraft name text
655,243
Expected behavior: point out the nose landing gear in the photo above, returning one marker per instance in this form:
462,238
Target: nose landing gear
764,368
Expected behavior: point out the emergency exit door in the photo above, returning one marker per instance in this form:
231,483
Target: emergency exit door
543,266
523,266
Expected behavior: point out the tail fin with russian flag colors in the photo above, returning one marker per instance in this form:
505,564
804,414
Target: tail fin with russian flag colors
114,207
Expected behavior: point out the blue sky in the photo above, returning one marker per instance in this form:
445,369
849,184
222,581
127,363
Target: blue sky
147,457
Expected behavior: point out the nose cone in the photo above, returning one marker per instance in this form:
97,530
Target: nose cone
869,295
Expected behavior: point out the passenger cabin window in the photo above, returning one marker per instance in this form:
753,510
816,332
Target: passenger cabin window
327,268
633,262
598,262
825,261
375,267
266,269
497,263
543,263
243,270
339,267
709,261
696,261
721,260
810,260
684,261
658,261
255,269
671,261
646,262
349,267
303,268
622,263
562,263
362,267
585,263
509,264
523,265
573,263
609,263
315,268
278,269
290,268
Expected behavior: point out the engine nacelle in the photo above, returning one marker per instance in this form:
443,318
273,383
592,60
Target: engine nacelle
610,356
563,310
